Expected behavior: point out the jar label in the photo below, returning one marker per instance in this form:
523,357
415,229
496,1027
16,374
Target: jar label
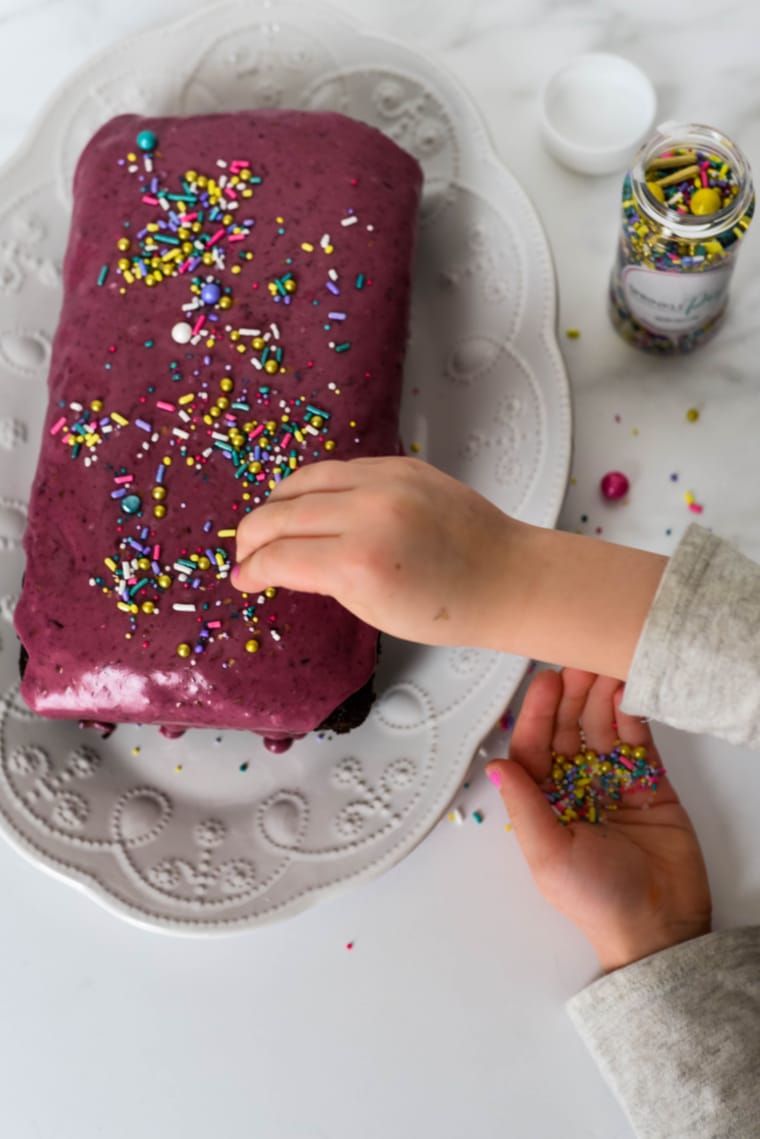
675,302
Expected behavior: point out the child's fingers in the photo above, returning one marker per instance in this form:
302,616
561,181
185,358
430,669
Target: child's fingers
539,832
315,515
575,688
534,729
598,716
303,564
327,475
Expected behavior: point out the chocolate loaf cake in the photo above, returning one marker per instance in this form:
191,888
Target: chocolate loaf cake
236,294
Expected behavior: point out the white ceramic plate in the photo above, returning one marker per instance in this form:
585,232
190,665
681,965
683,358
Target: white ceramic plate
212,833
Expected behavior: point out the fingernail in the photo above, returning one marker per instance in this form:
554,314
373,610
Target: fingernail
494,775
235,574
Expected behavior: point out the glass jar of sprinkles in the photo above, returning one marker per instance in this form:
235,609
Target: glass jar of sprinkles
686,204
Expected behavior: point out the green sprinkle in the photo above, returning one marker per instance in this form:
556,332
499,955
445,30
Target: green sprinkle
149,343
360,281
102,275
343,347
477,816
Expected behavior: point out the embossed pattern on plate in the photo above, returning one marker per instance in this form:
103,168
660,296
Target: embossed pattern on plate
211,833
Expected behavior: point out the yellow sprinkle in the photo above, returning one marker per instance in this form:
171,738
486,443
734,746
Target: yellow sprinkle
119,419
508,827
692,415
110,563
226,533
188,397
178,767
415,447
689,498
572,333
307,247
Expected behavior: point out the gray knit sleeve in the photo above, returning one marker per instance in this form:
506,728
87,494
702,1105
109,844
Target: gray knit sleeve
697,662
677,1037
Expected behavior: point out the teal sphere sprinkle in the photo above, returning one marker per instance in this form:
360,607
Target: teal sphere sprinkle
131,504
147,141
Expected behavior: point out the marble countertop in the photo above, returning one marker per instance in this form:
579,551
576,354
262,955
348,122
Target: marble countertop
447,1015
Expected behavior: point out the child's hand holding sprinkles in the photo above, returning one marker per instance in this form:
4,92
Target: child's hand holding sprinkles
636,883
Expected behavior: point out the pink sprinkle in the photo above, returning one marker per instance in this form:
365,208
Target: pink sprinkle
57,426
256,431
198,325
190,217
213,624
150,200
695,508
165,406
286,439
625,762
238,164
124,478
156,553
212,241
184,266
236,237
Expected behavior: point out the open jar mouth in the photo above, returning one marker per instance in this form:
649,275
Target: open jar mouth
694,137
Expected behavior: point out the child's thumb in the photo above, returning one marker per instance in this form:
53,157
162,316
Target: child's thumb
538,830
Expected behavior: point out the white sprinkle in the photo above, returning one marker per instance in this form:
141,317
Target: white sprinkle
182,332
207,452
221,163
180,433
183,415
218,435
164,203
183,608
132,169
370,229
324,240
75,406
148,161
275,331
275,635
256,363
222,183
350,221
332,274
456,816
248,331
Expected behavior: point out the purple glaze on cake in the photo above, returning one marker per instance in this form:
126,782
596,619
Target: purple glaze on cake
99,553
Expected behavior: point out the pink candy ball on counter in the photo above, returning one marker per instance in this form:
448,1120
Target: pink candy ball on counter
614,485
